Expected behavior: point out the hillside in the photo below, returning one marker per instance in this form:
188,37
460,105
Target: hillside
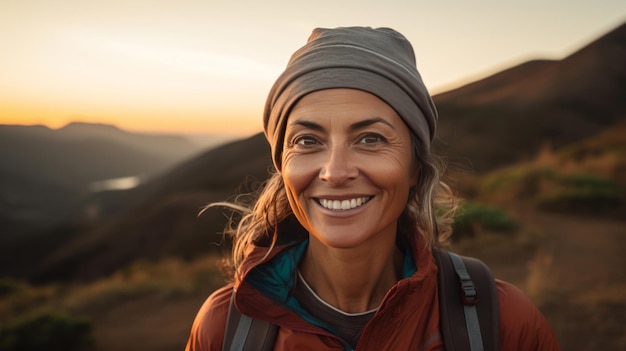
509,115
44,171
79,153
156,219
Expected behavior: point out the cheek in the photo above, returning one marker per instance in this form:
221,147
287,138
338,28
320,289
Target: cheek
295,180
297,176
391,172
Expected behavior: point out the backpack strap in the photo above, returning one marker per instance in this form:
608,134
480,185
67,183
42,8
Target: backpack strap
244,333
468,303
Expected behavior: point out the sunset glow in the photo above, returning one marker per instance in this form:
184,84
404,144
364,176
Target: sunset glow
205,66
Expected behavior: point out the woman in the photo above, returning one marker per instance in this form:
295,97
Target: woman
337,249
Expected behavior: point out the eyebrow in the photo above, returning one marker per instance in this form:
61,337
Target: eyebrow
368,122
309,125
353,127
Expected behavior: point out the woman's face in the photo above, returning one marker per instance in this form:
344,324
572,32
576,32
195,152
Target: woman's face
347,167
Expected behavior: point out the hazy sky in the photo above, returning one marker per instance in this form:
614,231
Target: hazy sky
206,66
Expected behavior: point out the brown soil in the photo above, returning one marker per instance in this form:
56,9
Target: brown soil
147,325
572,267
578,278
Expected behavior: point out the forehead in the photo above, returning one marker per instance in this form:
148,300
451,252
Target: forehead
341,105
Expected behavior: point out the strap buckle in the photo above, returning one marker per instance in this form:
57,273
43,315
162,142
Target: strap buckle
470,295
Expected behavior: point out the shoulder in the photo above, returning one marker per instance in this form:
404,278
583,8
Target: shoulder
207,331
522,326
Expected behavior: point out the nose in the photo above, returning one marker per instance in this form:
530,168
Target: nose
339,167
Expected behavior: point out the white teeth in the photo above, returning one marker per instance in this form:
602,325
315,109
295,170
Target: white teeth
343,204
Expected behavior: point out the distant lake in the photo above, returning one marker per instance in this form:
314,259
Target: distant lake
123,183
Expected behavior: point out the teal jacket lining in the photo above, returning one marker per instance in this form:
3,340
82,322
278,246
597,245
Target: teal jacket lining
276,278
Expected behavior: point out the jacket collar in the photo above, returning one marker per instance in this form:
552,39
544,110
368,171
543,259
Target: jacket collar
265,282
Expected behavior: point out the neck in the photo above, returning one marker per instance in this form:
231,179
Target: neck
353,280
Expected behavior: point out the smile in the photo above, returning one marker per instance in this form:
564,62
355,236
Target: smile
343,205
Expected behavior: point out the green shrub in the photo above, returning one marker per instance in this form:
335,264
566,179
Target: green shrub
46,330
473,216
519,181
551,189
583,193
580,201
589,181
9,286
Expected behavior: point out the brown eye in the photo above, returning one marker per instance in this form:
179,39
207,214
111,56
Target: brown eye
371,139
305,140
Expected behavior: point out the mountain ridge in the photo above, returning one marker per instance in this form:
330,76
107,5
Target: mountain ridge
508,116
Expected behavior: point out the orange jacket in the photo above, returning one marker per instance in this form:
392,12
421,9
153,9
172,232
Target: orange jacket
407,319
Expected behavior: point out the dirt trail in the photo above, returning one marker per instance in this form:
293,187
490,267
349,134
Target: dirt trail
578,278
581,255
147,325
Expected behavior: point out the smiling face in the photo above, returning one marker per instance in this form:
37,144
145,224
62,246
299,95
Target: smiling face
347,167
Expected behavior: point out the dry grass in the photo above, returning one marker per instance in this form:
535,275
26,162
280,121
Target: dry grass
19,298
164,280
538,277
156,283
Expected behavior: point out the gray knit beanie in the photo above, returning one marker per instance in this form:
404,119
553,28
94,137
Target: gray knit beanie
379,61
